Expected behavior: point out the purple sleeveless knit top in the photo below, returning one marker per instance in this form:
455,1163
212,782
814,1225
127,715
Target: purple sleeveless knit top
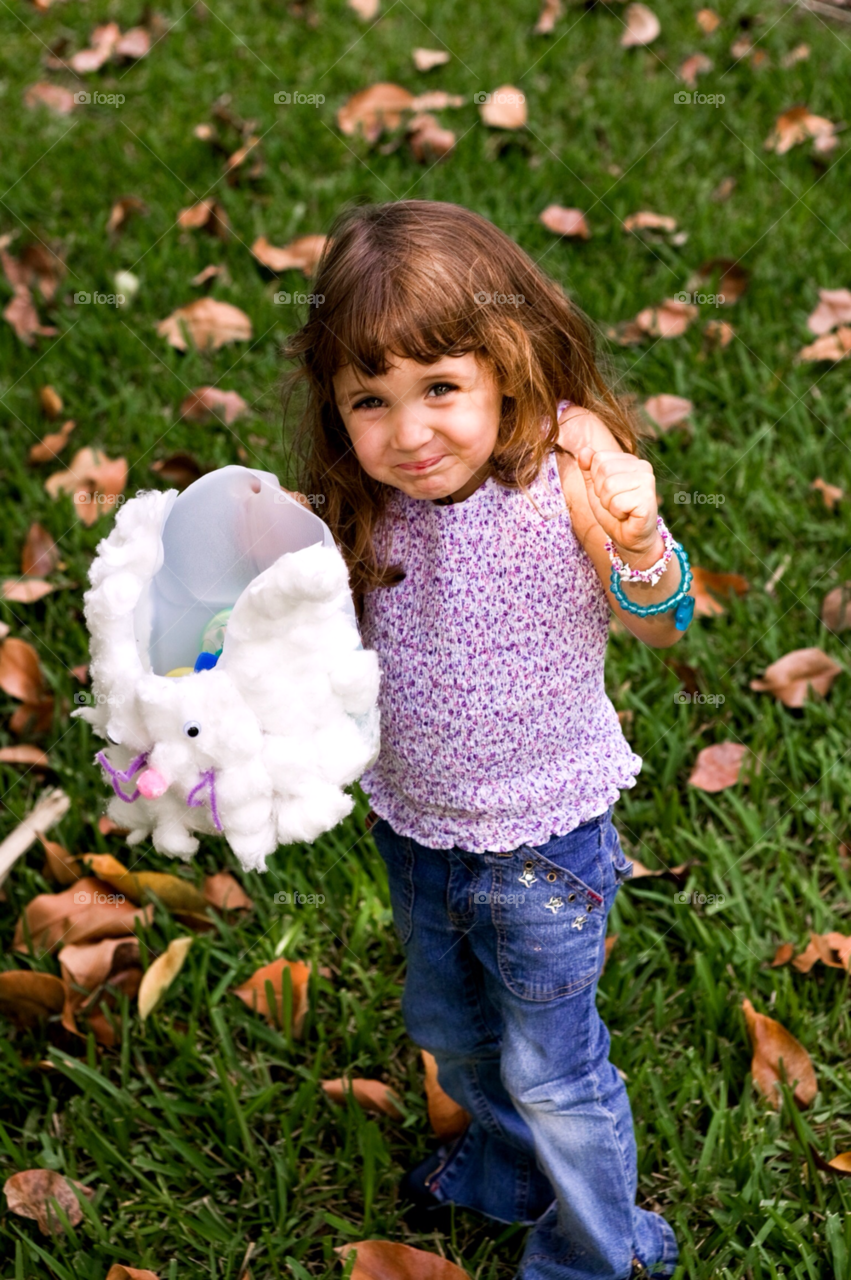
496,730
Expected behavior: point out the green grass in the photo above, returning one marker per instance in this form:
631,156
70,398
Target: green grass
205,1132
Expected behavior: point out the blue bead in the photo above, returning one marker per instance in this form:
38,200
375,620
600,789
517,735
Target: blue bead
206,661
684,613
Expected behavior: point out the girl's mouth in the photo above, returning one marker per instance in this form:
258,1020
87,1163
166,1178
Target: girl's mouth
417,467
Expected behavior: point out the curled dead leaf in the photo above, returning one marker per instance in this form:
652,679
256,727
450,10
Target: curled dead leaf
565,222
836,608
719,766
40,555
667,411
302,254
707,20
30,1194
51,402
548,17
832,949
24,754
840,1164
733,279
25,590
831,493
447,1118
708,585
20,670
669,320
121,212
27,998
642,26
52,444
372,110
161,974
782,955
386,1260
697,65
206,215
89,909
205,404
831,346
790,677
254,993
646,220
834,308
428,140
718,334
371,1095
225,893
208,323
777,1054
426,59
797,125
53,96
95,481
505,108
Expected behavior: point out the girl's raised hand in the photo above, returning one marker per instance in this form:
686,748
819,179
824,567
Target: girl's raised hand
621,491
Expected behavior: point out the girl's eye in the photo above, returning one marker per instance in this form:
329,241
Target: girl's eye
368,402
192,728
442,388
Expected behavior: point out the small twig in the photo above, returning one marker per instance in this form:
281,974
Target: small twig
49,808
777,575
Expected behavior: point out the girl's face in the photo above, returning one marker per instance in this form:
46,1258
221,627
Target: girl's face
427,429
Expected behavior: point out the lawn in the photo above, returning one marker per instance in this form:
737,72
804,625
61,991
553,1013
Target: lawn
204,1132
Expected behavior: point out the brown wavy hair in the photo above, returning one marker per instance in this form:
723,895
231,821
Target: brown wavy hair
418,279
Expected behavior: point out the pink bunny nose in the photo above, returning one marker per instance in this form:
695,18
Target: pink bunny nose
152,784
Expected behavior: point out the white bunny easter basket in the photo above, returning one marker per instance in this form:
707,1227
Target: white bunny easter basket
227,669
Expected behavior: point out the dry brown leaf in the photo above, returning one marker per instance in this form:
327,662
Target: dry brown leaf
90,965
373,110
61,865
724,190
548,17
20,672
161,974
707,585
776,1051
707,20
427,138
831,493
239,157
834,308
211,273
799,54
447,1118
26,998
51,402
783,954
646,220
832,346
642,26
733,278
25,590
87,910
742,47
207,403
102,41
302,254
505,108
372,1095
180,470
53,444
253,992
135,43
40,555
33,718
426,59
719,766
52,96
120,213
718,334
386,1260
836,608
225,893
669,320
119,1272
95,481
208,323
565,222
21,314
437,100
790,677
175,893
207,215
29,1194
667,411
697,65
365,9
832,949
24,754
795,126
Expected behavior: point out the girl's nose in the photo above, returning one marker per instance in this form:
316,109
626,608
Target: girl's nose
152,784
410,432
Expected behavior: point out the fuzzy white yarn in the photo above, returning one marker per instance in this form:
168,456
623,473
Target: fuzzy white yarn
286,718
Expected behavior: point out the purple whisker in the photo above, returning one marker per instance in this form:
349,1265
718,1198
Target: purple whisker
207,779
117,776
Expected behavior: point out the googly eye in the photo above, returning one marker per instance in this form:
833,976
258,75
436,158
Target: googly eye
192,728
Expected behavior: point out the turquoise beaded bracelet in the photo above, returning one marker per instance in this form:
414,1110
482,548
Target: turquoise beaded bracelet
681,602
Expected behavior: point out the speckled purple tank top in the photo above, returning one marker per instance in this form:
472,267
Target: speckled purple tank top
496,730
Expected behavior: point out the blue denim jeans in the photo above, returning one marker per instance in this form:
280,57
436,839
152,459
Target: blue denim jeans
504,951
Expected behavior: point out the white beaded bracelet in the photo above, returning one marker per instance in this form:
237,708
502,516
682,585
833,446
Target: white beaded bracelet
647,576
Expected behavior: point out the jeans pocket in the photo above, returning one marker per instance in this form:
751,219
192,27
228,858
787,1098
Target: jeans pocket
549,912
398,854
621,865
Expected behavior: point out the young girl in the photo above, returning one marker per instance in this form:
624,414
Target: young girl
482,481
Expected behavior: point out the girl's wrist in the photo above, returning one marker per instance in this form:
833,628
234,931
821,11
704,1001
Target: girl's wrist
644,559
